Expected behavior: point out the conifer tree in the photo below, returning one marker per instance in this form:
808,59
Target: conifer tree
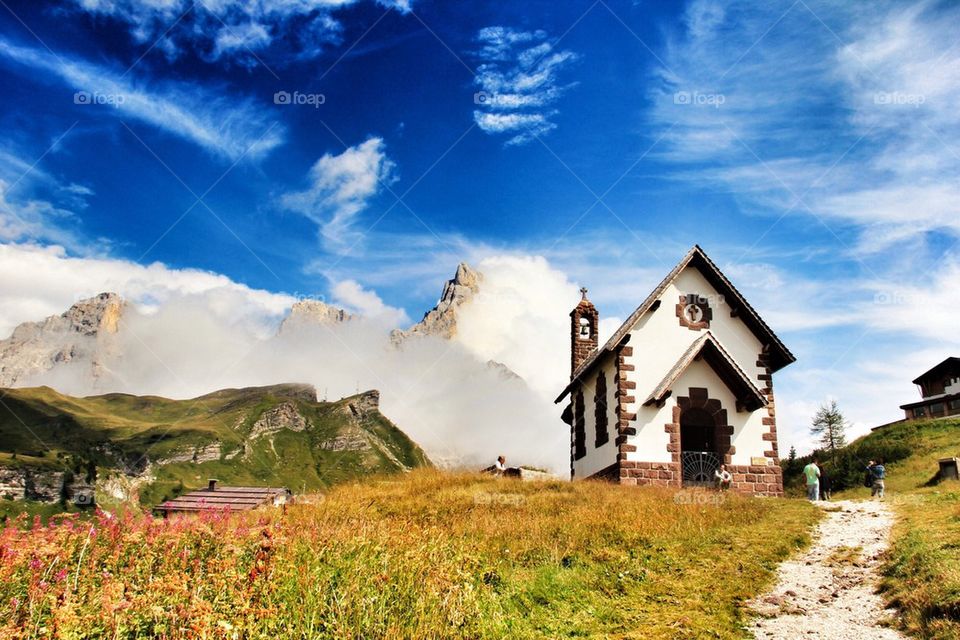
830,427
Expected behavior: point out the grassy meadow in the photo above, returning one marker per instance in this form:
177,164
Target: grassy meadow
425,555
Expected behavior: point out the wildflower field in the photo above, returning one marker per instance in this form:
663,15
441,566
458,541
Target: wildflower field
427,555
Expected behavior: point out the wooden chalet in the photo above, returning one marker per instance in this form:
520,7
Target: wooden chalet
215,497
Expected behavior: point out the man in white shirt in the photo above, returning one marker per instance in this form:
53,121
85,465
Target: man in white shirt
500,467
724,479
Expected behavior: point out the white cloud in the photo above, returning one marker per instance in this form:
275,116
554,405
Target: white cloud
34,220
57,280
528,124
853,122
241,30
352,296
923,307
869,384
520,319
517,79
229,127
249,36
36,207
859,338
340,188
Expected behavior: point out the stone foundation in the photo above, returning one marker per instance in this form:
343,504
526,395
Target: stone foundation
747,479
656,473
757,480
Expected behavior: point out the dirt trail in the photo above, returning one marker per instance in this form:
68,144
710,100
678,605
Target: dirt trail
829,590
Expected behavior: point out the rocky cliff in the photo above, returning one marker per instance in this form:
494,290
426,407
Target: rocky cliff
313,313
441,321
84,335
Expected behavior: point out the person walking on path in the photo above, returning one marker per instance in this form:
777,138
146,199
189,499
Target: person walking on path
825,485
812,473
879,473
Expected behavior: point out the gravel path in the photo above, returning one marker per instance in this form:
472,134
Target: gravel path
829,590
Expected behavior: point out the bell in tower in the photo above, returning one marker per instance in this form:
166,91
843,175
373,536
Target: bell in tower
583,331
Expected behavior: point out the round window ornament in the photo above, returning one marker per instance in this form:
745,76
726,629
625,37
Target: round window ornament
693,313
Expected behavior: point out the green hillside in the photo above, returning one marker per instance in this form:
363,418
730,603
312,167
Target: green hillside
922,571
277,436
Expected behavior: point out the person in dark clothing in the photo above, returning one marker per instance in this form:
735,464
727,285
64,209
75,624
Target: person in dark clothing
825,485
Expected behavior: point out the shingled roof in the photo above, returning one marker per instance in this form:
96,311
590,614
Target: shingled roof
231,498
779,355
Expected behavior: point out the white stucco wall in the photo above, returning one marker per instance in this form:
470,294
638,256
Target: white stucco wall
748,427
659,341
598,458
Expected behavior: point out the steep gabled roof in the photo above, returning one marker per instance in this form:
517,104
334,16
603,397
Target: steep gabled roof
709,349
780,356
950,364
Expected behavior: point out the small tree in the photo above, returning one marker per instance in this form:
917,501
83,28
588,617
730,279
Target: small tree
830,426
792,457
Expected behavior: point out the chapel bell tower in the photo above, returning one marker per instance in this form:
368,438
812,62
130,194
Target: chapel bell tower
584,320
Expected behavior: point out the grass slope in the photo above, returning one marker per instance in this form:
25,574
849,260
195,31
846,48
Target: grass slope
922,570
425,555
42,428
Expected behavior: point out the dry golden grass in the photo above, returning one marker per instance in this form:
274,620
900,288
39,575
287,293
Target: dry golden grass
430,555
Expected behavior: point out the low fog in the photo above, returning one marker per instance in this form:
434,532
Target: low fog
443,393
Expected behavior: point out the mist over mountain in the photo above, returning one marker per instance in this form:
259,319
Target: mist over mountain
472,380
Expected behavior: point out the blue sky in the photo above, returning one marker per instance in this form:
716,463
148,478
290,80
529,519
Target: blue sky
813,150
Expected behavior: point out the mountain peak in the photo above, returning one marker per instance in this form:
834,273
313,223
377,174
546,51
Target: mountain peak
441,321
83,332
92,315
313,313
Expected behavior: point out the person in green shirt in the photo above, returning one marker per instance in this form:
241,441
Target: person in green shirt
812,473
